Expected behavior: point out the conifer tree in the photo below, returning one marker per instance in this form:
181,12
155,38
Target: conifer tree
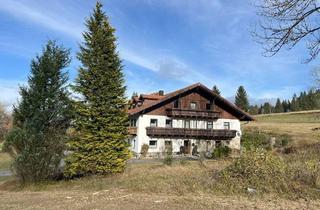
278,108
99,145
216,90
294,104
241,99
42,117
267,108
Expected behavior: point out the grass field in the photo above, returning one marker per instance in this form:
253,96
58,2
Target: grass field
185,185
302,127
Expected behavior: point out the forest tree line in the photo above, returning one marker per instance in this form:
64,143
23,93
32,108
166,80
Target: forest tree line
306,100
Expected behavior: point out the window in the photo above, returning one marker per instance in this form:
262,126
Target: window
176,104
153,123
133,123
193,105
208,106
153,144
209,125
226,125
168,123
187,124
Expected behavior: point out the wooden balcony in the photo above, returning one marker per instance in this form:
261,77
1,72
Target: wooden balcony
191,133
132,130
187,113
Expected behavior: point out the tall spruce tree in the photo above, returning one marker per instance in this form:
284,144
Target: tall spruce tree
216,90
99,145
241,99
278,108
42,117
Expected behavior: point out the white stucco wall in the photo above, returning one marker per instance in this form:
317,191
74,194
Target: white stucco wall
144,121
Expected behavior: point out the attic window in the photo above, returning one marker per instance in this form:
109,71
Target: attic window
193,105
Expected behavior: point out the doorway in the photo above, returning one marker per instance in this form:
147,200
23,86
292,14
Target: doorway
186,146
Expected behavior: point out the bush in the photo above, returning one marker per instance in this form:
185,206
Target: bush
144,150
255,139
168,159
282,141
257,169
220,152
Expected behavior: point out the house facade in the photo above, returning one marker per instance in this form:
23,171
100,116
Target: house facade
179,121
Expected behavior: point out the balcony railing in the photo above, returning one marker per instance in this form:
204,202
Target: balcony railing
132,130
187,113
191,133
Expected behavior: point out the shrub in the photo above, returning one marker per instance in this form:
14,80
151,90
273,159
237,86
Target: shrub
144,150
282,141
257,169
220,152
255,139
168,159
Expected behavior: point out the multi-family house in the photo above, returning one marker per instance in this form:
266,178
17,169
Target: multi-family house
180,120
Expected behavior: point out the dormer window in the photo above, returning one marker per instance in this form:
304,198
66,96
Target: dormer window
193,105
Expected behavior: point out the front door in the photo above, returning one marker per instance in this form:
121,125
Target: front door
186,147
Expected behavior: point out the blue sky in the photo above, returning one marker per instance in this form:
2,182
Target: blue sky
164,44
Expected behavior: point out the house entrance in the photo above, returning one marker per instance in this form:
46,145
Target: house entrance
186,146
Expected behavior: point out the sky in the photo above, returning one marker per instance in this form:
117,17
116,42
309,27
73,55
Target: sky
164,44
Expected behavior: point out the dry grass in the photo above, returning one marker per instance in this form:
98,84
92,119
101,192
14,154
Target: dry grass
300,133
143,186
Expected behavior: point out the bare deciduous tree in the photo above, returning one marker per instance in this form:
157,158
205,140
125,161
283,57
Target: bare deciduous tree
284,23
4,122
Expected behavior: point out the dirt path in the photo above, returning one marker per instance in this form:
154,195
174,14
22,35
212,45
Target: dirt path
121,199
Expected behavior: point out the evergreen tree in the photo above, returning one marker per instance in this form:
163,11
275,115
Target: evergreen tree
294,104
216,90
286,106
267,108
241,99
42,117
278,108
99,146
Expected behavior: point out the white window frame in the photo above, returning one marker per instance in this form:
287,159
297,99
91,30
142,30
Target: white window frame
185,123
156,124
226,125
153,146
195,105
208,124
169,125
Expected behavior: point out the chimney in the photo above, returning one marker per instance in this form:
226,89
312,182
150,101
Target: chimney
161,93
